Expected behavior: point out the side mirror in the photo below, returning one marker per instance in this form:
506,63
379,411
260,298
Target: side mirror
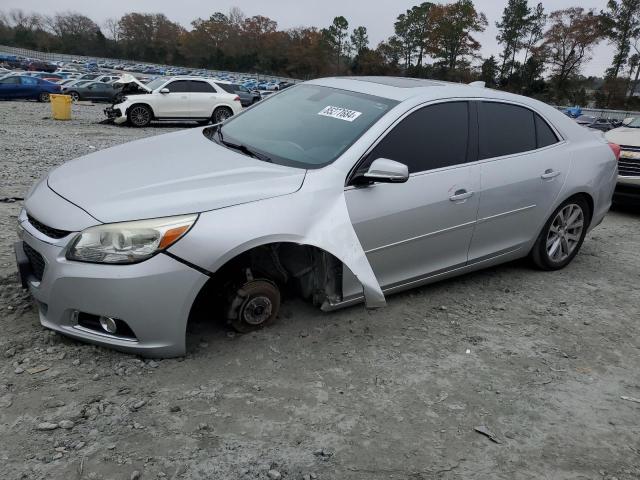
384,170
165,90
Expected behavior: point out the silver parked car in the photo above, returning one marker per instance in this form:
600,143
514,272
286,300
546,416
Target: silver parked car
337,190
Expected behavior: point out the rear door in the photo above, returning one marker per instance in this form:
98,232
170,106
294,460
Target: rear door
424,226
523,171
203,99
176,103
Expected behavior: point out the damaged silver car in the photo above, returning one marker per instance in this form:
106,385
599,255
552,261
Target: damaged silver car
337,190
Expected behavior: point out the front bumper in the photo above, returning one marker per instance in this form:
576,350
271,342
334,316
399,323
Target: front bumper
115,114
154,297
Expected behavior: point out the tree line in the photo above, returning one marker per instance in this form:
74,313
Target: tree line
542,53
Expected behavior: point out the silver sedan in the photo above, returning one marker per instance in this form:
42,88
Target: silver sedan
337,190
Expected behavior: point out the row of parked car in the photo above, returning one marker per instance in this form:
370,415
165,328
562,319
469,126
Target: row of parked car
138,100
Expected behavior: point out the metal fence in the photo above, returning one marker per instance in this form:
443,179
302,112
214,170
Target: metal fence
62,57
604,113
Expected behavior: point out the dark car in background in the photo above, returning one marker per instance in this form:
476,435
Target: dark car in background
247,98
39,66
95,91
602,124
25,87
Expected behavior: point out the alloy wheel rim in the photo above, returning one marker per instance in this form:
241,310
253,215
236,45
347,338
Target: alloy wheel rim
140,116
257,310
75,97
565,232
222,115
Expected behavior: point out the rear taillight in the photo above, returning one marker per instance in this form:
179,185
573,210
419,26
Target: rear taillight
237,99
616,149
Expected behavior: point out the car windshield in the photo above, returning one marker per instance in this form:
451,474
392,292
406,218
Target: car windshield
307,126
635,123
153,84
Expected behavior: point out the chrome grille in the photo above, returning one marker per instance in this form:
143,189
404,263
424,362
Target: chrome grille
46,230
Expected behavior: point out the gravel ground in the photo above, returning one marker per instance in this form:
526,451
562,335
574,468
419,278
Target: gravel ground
539,361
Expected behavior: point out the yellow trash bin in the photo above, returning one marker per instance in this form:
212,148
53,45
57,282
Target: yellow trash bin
60,106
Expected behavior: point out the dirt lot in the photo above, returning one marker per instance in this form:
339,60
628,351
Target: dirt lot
541,360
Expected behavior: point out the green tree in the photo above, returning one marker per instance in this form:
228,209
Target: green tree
621,24
512,31
451,39
412,29
489,71
336,37
360,39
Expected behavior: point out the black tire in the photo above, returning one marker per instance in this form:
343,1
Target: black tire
43,97
254,306
220,114
75,96
139,116
558,243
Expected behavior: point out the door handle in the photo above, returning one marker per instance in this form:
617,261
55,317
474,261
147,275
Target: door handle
461,194
549,174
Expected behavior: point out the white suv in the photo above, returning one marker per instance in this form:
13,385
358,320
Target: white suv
173,98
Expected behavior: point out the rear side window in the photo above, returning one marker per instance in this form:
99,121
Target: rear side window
505,129
179,86
432,137
201,87
544,134
226,87
29,81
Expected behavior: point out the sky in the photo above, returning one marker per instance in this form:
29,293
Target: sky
377,15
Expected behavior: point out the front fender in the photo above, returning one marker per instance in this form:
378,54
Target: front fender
316,215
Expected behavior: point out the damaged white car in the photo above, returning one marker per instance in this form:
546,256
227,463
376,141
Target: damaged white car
171,98
336,190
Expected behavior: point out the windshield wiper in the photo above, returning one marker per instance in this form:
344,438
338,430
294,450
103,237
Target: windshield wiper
242,148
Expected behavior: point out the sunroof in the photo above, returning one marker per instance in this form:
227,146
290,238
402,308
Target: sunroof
400,82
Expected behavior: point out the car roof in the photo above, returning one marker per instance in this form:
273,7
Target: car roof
404,88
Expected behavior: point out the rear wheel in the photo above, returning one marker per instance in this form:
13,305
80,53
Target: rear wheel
562,235
75,96
139,116
220,114
43,97
254,305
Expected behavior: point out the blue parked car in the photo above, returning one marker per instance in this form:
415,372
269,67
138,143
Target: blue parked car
23,86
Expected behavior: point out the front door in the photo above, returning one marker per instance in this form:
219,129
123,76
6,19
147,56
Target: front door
422,227
521,177
176,103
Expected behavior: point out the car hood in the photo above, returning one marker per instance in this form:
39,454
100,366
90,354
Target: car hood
624,136
128,79
171,174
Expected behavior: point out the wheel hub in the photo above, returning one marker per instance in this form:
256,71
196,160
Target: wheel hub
257,310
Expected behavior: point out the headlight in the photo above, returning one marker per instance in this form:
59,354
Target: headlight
128,242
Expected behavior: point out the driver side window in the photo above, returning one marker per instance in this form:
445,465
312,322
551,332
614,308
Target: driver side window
432,137
180,86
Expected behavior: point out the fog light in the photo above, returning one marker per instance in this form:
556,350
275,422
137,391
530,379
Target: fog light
108,324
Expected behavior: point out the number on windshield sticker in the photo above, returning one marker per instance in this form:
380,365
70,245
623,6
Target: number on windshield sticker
340,113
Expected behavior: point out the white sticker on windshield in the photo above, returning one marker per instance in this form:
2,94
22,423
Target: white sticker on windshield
340,113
